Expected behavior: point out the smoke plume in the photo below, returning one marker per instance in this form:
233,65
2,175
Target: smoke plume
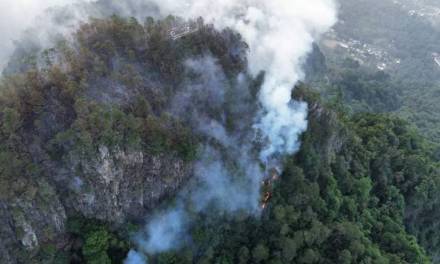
33,19
233,161
227,176
280,34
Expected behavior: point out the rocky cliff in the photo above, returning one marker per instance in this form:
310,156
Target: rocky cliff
86,129
115,187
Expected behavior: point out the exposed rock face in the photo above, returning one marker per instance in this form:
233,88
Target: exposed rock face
118,185
115,186
9,238
78,123
30,220
322,122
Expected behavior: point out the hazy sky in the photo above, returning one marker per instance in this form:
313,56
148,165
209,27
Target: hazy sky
18,15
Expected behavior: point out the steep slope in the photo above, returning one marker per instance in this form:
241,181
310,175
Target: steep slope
85,129
343,198
90,144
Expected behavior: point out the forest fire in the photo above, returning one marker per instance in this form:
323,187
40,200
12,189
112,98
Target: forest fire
266,199
268,186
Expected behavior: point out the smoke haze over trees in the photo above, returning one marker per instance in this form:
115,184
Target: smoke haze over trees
146,131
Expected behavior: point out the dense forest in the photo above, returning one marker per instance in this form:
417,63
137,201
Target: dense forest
363,89
362,189
357,192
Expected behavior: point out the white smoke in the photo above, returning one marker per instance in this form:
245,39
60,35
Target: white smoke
216,182
21,18
164,230
280,33
135,257
231,188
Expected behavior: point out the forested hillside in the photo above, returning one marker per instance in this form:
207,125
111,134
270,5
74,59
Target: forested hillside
355,193
381,57
84,132
363,89
89,146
